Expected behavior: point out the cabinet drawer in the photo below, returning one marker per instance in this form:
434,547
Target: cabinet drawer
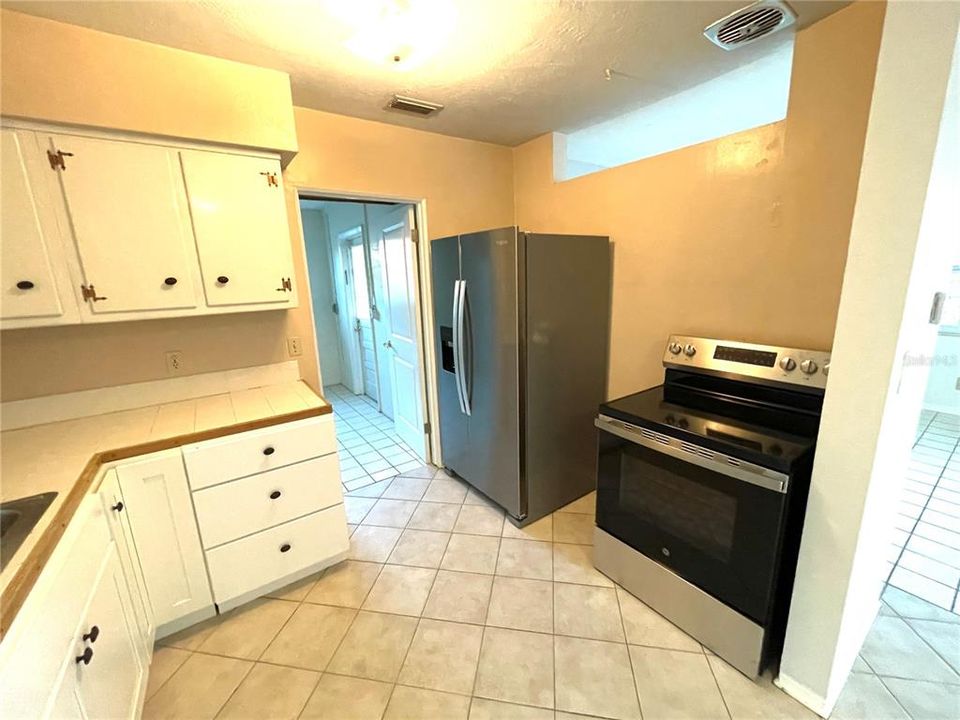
216,461
254,561
268,499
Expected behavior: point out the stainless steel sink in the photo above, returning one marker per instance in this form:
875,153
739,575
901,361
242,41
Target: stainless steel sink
17,519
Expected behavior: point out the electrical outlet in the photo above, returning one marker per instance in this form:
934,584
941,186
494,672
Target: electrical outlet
174,360
294,347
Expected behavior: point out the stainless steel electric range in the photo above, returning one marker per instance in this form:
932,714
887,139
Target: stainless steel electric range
701,490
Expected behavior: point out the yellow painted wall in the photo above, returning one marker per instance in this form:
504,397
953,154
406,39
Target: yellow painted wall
743,237
68,74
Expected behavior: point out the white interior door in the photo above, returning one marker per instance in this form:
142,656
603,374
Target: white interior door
28,285
125,202
358,281
405,361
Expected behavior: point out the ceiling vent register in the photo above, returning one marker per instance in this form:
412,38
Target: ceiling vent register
423,108
750,24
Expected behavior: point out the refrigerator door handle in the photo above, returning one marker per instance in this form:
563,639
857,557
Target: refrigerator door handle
457,344
465,349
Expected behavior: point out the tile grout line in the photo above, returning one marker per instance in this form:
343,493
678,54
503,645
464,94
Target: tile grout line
633,670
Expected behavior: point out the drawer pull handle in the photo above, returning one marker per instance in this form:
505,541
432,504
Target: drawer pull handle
268,450
285,547
118,507
86,657
275,494
92,635
24,285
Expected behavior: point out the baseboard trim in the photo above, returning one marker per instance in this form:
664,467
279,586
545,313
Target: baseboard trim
803,694
98,401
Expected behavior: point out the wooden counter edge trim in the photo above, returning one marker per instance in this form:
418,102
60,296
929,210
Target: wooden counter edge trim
20,585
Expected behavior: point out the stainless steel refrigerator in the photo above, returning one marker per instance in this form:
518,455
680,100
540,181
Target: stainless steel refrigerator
522,327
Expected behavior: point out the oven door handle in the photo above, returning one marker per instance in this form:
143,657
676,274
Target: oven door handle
701,456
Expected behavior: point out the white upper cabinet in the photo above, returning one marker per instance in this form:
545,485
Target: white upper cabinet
29,284
240,223
124,201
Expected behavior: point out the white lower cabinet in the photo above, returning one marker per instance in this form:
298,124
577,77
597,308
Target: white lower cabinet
157,502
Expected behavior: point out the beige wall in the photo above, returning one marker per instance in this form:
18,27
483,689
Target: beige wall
742,237
68,74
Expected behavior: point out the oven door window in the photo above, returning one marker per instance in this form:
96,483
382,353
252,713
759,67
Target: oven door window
718,532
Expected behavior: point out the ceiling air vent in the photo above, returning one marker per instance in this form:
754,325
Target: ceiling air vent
751,23
414,106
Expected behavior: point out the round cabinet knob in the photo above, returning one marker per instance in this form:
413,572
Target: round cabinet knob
689,351
25,285
788,363
275,494
223,279
675,348
170,281
285,547
86,657
268,450
809,367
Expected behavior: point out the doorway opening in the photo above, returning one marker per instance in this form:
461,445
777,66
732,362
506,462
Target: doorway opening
362,263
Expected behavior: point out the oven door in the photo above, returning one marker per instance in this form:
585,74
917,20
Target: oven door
713,520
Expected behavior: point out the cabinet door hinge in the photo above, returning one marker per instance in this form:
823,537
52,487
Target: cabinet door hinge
272,180
90,293
57,159
426,428
285,285
336,308
414,235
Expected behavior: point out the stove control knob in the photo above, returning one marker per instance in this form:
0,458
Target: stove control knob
675,348
788,363
809,367
689,351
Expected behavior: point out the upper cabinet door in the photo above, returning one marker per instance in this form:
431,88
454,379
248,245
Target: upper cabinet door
29,288
125,206
240,223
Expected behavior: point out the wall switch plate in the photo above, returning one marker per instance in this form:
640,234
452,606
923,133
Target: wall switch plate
174,360
294,347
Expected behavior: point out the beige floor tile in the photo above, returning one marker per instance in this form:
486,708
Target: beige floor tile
890,640
482,709
525,558
910,606
926,700
401,590
587,611
406,488
295,591
942,637
446,490
675,685
573,528
434,516
475,497
759,699
860,666
246,631
587,505
516,666
471,553
578,716
191,638
541,529
443,656
374,646
479,520
390,513
374,490
521,604
373,544
461,597
268,691
338,697
357,508
420,548
416,704
574,564
198,689
595,678
425,472
166,661
645,626
864,697
345,584
310,637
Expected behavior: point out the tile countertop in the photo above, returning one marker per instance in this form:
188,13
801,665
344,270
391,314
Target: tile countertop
60,456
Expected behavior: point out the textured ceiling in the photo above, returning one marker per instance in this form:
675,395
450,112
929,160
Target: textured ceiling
506,70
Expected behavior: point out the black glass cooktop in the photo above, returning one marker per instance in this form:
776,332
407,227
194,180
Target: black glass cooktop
767,426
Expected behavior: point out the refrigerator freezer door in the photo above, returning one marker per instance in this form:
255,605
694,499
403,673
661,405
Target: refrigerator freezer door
454,424
489,271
